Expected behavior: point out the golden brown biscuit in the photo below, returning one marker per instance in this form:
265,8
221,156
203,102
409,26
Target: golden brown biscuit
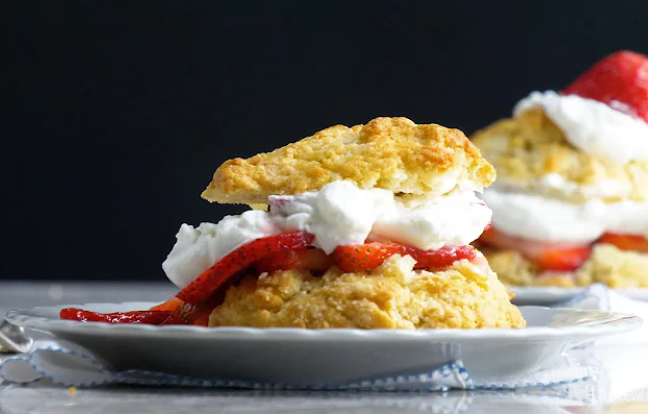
607,264
527,148
615,268
390,153
393,296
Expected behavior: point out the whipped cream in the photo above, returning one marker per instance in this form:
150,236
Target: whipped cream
339,214
603,189
196,249
593,127
543,219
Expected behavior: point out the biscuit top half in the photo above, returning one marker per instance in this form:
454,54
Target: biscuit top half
530,147
390,153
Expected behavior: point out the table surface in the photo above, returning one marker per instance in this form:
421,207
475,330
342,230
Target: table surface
623,387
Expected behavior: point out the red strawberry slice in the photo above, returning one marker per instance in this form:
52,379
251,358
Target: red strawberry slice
181,313
563,259
190,314
626,242
547,256
144,317
619,80
441,258
193,304
366,257
211,279
311,259
170,305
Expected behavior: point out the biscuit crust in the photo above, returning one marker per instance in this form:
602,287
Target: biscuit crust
390,153
394,296
529,147
607,264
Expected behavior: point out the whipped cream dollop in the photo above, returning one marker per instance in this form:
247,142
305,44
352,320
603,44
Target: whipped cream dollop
339,214
601,130
603,189
535,217
196,249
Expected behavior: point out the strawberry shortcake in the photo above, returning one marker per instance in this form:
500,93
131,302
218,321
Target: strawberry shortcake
570,205
366,227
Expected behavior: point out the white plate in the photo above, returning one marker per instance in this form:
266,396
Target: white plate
550,295
326,356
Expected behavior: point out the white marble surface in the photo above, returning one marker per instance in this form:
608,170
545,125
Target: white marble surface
622,386
16,400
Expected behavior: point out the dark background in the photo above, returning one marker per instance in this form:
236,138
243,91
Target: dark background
115,114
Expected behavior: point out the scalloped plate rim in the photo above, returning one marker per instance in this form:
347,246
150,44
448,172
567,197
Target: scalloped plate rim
30,318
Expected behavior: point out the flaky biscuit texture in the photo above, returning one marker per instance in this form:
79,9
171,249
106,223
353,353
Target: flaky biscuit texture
393,296
529,147
389,153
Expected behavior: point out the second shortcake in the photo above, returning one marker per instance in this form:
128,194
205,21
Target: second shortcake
570,206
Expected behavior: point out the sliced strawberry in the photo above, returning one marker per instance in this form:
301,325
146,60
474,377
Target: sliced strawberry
366,257
143,317
193,304
626,242
211,279
170,305
619,80
190,314
563,259
441,258
311,259
547,256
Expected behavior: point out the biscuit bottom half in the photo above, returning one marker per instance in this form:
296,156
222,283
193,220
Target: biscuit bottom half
393,296
607,264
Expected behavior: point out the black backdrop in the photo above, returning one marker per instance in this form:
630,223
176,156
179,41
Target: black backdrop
115,114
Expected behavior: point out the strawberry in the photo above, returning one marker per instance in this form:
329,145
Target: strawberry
619,80
366,257
565,259
170,305
181,313
547,256
190,314
441,258
311,259
211,279
145,317
626,242
193,304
